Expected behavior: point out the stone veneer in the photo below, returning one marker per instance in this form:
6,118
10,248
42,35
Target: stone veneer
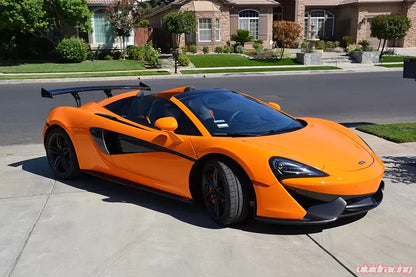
409,9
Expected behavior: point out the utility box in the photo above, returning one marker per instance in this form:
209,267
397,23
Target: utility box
409,68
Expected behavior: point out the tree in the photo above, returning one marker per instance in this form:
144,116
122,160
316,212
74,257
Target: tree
389,27
286,33
123,16
24,16
178,23
241,37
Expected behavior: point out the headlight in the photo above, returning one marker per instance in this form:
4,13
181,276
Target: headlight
285,168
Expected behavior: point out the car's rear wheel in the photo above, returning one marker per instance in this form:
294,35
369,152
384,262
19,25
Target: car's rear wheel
61,155
224,192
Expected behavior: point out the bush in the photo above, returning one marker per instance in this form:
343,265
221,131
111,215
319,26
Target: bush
135,52
144,23
320,45
71,50
258,46
240,49
347,40
193,48
92,55
390,52
228,49
219,50
241,37
329,44
108,57
336,43
151,56
353,47
116,55
183,60
184,49
278,53
205,49
364,43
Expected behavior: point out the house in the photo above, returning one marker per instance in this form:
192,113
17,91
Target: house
217,20
331,19
102,36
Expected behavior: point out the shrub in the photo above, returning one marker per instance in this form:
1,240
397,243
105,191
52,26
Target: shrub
193,48
228,49
258,46
183,60
240,49
135,52
205,49
241,37
278,53
143,23
108,57
390,52
336,43
92,55
71,50
116,55
353,47
285,33
347,40
184,49
320,45
364,43
219,50
151,56
329,44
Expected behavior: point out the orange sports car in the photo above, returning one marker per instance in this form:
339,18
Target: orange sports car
232,152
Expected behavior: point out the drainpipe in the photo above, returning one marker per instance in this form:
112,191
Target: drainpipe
296,10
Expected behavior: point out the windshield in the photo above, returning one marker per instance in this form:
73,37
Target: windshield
227,113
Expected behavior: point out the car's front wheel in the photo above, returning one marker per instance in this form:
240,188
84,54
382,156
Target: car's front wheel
224,192
61,155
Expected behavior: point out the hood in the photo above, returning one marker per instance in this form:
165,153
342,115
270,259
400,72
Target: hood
318,145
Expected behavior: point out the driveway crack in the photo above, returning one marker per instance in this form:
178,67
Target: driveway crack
332,256
31,230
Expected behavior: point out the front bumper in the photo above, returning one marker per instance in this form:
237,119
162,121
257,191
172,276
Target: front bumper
320,212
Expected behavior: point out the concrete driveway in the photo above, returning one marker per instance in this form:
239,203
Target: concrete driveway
91,227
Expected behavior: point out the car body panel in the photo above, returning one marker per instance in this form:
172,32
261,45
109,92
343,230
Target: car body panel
111,144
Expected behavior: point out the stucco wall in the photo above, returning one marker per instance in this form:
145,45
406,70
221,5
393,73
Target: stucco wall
409,9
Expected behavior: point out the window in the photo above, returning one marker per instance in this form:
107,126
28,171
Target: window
249,20
217,30
102,29
205,29
323,22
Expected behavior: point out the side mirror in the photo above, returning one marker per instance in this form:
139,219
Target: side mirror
274,105
166,124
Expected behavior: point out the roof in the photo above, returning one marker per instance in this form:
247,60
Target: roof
99,2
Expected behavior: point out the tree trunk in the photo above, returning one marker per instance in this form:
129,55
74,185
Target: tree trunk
382,51
379,43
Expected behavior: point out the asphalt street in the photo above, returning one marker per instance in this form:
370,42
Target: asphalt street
91,227
345,98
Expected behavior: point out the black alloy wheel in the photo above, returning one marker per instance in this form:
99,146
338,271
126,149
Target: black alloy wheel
61,155
224,193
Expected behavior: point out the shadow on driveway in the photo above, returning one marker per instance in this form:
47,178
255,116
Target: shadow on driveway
400,169
192,214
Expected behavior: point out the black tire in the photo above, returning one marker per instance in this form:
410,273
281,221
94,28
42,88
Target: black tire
61,155
224,192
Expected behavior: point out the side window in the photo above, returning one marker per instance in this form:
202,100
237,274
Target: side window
147,109
120,107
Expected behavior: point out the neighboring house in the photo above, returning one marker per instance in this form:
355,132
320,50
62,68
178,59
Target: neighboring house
102,36
217,20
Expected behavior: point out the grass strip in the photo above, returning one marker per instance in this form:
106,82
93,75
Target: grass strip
396,132
230,60
395,59
84,75
237,70
391,65
87,66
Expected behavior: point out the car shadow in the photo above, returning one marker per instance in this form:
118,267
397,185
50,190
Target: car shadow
193,214
400,169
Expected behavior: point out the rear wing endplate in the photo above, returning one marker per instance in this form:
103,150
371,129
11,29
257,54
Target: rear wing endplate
74,91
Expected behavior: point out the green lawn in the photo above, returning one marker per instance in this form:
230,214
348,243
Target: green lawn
397,132
82,75
395,59
229,60
236,70
87,66
391,65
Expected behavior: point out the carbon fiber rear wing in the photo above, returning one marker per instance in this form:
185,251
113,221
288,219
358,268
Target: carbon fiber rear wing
74,91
